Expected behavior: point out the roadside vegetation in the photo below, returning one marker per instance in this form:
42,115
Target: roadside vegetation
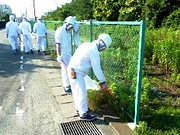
160,99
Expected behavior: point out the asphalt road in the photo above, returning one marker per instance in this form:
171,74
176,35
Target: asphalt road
27,106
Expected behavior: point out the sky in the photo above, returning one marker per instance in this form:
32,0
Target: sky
26,6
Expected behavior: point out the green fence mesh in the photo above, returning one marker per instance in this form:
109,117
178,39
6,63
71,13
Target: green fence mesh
119,61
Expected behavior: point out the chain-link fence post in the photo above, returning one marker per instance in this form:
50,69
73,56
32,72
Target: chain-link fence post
139,73
46,36
91,39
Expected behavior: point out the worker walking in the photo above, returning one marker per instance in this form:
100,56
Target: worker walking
12,33
75,36
86,56
63,48
41,33
25,30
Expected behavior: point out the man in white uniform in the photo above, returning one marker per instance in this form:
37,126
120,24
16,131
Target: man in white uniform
63,48
25,29
12,32
86,56
75,36
41,32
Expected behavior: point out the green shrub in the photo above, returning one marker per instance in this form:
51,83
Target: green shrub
5,17
94,98
147,93
162,47
173,20
173,77
178,79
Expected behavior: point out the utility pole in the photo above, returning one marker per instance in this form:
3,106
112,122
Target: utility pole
34,9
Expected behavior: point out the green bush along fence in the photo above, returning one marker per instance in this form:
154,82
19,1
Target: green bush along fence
162,47
121,62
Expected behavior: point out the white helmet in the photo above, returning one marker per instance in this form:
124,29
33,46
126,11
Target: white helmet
75,18
11,18
25,18
106,38
70,20
39,18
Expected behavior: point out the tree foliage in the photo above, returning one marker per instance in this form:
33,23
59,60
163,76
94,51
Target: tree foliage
154,11
82,9
106,10
5,17
173,20
131,10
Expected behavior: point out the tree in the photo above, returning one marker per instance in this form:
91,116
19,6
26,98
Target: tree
158,10
106,10
82,9
131,10
5,17
173,20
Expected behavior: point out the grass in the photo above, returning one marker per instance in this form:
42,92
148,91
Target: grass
160,104
160,115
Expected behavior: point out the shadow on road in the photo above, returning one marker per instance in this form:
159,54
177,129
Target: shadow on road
11,64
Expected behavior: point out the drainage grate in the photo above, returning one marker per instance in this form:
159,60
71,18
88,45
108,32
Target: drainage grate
80,128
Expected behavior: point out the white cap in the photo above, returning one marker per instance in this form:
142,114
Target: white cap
70,20
11,18
75,18
24,17
39,18
106,38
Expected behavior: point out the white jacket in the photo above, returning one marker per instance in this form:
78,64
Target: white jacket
63,37
85,57
25,28
40,29
76,28
12,28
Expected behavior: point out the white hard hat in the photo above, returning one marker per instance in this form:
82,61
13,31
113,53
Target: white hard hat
106,38
39,18
70,20
24,17
11,17
75,18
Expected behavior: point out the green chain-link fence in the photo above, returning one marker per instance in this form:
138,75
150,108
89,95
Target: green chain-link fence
121,62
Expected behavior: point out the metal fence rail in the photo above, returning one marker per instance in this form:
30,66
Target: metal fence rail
121,63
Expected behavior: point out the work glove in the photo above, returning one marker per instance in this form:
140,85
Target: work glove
59,58
103,86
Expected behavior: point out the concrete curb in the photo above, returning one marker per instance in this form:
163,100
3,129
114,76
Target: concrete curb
117,125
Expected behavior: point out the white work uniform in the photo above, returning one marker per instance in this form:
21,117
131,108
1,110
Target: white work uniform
85,57
76,34
63,38
25,29
13,31
41,31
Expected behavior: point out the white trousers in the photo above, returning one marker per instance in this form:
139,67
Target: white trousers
78,87
27,42
41,41
14,42
64,73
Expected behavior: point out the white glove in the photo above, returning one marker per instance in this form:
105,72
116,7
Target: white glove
59,58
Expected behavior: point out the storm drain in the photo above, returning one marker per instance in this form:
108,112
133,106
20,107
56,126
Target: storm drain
80,128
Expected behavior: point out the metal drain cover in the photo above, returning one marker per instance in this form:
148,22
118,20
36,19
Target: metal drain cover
80,128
